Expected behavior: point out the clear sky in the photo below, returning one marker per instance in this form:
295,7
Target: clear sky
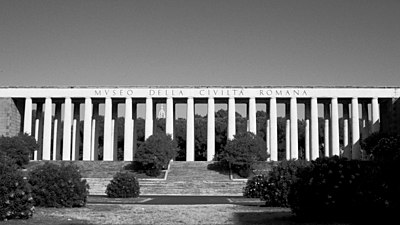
203,42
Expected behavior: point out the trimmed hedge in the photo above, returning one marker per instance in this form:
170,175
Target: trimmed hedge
58,186
154,154
123,185
19,148
16,201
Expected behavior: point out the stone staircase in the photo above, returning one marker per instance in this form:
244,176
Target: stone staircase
184,178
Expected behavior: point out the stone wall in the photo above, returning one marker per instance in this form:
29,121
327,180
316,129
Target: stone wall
10,116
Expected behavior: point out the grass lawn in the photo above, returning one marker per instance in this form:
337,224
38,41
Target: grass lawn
161,214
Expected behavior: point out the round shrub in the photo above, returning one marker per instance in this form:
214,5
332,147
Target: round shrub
15,195
123,185
242,152
19,148
154,154
58,186
254,186
275,188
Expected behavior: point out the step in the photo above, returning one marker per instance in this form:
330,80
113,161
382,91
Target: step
231,188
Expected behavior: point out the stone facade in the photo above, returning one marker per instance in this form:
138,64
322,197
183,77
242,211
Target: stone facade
58,114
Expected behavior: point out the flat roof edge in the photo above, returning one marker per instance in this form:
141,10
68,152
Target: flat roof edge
194,86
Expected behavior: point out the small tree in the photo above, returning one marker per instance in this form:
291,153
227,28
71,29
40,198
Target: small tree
155,153
242,152
19,148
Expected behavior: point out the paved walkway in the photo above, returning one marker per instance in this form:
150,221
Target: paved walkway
176,200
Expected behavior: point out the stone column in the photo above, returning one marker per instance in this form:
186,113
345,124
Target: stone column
287,133
231,118
67,129
56,133
335,127
314,129
252,115
128,131
365,121
93,140
28,116
134,117
114,127
47,129
294,147
37,155
95,132
268,137
307,112
108,132
355,128
326,129
375,115
273,129
190,130
169,123
346,146
76,132
210,129
149,118
87,129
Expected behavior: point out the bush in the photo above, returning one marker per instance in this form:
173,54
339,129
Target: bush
19,148
242,152
382,146
154,154
58,186
275,188
15,194
335,188
123,185
254,186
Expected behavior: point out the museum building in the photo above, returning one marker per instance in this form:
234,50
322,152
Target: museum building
59,110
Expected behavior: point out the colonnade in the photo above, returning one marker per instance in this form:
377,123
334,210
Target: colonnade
50,129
